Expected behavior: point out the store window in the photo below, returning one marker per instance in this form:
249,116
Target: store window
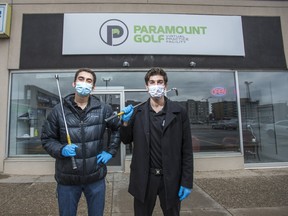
211,100
34,94
209,97
264,112
32,97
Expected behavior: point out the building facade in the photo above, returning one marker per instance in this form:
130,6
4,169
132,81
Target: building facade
226,62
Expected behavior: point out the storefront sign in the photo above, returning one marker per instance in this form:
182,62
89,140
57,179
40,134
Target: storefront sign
164,34
5,20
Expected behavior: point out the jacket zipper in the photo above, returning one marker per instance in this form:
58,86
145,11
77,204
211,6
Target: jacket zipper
83,147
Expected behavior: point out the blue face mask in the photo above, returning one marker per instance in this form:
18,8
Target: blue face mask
83,89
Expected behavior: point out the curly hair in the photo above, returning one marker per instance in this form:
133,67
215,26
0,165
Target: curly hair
156,71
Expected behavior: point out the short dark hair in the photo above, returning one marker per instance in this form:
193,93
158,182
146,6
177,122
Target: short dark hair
88,70
156,71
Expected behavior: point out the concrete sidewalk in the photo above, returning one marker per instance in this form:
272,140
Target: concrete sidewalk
244,192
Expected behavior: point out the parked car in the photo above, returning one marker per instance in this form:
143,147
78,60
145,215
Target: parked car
280,127
226,125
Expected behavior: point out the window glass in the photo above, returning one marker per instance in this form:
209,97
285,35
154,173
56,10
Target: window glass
265,114
34,94
208,96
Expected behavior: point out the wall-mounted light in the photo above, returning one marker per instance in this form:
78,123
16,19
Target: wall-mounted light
192,64
126,64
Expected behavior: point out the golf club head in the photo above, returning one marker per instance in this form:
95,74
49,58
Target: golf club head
176,91
56,77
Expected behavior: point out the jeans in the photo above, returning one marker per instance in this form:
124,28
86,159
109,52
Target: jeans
69,196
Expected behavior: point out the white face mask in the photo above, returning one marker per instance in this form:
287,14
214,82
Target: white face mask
156,91
83,89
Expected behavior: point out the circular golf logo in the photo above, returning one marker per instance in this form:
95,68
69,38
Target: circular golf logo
113,32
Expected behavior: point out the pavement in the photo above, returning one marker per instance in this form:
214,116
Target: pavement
239,192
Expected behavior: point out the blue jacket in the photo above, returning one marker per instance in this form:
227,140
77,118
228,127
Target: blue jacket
86,131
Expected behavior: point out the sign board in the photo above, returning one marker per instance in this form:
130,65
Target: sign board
5,20
163,34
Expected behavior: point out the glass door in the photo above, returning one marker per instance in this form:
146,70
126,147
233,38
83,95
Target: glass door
114,98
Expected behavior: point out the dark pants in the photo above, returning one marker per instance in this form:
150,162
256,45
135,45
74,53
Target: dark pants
69,196
155,187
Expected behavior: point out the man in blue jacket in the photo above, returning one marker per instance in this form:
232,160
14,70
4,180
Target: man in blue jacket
85,116
162,161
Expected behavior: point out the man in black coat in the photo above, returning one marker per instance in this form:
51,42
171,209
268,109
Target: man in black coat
85,118
162,161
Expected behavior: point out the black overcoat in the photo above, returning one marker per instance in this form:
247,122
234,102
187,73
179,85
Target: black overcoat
177,155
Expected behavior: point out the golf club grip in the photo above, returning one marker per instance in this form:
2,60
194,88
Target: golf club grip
74,166
121,113
114,116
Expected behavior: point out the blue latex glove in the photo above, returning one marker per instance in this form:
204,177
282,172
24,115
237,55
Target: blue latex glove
69,150
104,157
128,111
183,192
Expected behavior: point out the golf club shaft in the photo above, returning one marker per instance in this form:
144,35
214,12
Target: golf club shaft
121,113
74,166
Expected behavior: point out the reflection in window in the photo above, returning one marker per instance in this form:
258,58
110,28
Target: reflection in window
265,113
33,95
208,96
32,98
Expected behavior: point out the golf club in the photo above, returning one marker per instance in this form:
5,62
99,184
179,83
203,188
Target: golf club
121,113
173,89
74,166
